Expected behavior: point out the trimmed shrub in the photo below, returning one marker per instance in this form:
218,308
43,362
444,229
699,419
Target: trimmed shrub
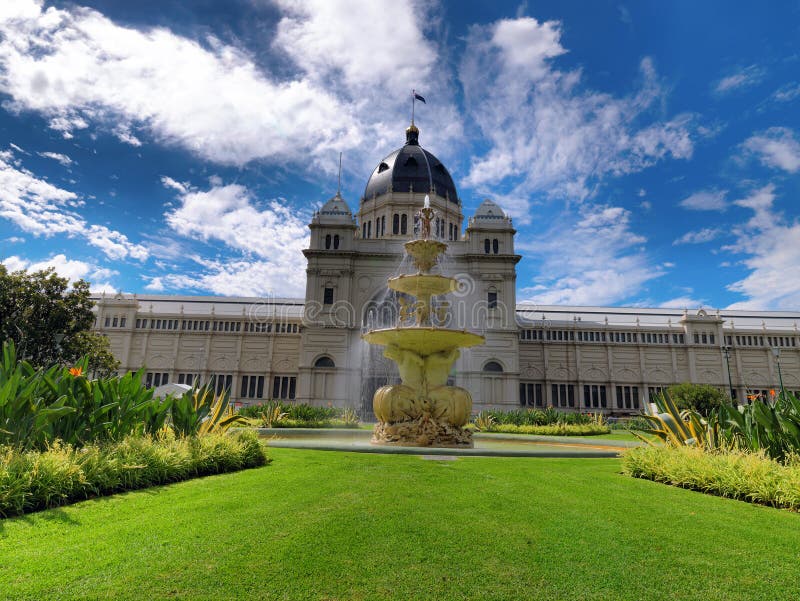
62,473
276,414
558,429
538,417
734,474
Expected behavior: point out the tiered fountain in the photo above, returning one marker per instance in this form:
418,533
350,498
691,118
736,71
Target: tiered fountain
423,410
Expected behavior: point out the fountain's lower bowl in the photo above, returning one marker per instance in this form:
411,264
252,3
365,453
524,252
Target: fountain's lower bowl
424,341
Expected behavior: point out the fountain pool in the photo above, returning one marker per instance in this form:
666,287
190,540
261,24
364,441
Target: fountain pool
485,445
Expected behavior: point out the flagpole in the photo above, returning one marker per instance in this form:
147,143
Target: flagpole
413,98
339,185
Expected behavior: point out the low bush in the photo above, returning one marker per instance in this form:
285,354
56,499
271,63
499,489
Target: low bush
550,429
62,473
631,423
734,474
537,417
276,414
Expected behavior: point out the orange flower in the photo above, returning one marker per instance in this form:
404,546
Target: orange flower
75,371
771,392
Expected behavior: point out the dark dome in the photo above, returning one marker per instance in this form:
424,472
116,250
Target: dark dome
411,166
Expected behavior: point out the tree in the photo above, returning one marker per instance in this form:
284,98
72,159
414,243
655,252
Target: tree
701,397
49,322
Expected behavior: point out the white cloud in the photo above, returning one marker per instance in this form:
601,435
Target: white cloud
156,284
270,238
743,78
706,200
243,278
772,246
602,264
61,158
72,269
546,133
42,209
776,147
682,302
787,93
80,69
168,182
699,236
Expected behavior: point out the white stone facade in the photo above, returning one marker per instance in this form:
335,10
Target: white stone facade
310,350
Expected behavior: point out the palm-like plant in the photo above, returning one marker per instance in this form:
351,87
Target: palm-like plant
200,411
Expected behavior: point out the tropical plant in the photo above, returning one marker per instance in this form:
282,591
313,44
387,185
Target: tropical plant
349,417
484,421
199,411
771,425
271,414
675,427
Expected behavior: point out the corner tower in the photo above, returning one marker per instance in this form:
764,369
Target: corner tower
397,188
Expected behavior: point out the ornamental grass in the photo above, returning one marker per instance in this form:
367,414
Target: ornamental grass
62,473
731,473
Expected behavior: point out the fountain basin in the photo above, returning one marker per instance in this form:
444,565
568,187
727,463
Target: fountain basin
486,445
423,341
423,285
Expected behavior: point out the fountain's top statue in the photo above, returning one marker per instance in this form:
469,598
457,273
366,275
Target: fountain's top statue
425,216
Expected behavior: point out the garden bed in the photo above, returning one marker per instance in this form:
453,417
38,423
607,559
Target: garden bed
741,475
63,474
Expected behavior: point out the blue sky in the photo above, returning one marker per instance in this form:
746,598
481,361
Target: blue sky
649,152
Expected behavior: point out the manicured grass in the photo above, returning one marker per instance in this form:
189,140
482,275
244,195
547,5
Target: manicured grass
324,525
618,435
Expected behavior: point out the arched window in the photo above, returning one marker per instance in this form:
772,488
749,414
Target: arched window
495,246
336,241
493,366
369,229
324,362
487,246
403,224
364,230
383,225
328,241
395,224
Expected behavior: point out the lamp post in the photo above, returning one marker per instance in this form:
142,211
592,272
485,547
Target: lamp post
726,350
777,353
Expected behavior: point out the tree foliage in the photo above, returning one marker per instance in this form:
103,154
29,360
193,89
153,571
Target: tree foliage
700,397
50,322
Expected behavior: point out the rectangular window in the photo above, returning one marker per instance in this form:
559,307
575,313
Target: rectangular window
327,297
122,321
530,394
711,338
627,397
283,387
492,300
107,322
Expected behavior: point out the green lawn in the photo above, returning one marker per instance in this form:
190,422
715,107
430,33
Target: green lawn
323,525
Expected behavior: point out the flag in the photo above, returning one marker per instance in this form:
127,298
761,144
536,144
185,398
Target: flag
420,98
